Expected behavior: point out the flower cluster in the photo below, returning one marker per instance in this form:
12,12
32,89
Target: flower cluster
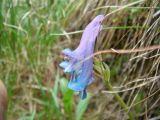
80,69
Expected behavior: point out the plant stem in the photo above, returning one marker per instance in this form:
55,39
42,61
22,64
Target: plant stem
120,100
106,77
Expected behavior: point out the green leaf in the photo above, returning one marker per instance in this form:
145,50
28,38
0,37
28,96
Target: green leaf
67,98
103,69
106,72
82,106
97,66
63,85
54,91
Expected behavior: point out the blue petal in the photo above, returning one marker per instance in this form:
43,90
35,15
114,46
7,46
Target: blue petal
64,64
76,83
83,94
73,66
80,82
81,74
69,68
67,52
73,85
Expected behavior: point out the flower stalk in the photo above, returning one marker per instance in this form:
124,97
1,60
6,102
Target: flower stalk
106,77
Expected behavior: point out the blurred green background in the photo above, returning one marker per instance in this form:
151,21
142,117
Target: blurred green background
32,35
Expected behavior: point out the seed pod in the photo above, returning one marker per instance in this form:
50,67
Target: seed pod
3,101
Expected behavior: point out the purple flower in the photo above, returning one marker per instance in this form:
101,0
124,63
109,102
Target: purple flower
81,72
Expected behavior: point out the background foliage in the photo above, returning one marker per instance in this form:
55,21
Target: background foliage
32,34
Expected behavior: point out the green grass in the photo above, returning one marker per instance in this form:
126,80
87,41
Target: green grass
25,50
32,34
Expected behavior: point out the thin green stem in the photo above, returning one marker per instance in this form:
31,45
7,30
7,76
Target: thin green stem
120,100
106,78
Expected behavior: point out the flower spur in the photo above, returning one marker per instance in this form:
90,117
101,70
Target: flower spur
81,71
